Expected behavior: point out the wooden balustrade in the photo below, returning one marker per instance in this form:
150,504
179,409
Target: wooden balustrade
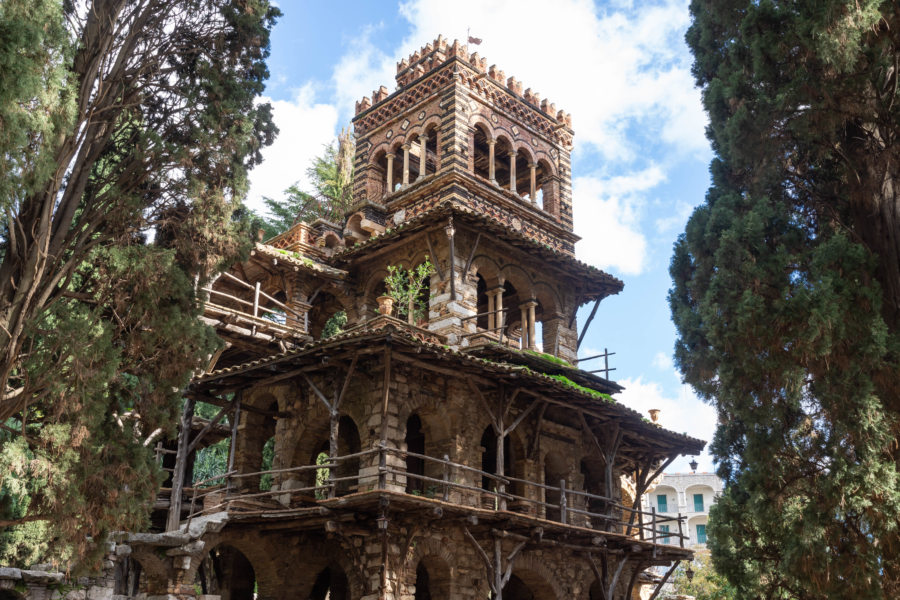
446,488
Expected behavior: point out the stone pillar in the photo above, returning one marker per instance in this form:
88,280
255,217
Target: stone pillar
497,292
533,194
512,171
491,171
531,304
561,339
523,342
422,151
388,185
405,165
300,322
490,317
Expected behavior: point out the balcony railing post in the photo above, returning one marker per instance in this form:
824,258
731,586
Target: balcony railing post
563,517
640,520
446,478
653,523
256,300
680,531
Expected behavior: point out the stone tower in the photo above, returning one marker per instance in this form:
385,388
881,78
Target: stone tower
459,453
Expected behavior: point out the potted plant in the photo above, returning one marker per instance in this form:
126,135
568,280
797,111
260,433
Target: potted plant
405,287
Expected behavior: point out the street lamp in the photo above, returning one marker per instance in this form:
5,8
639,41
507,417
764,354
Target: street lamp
689,573
693,465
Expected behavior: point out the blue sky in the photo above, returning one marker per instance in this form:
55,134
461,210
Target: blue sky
640,162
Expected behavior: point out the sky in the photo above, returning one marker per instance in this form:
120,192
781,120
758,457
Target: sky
640,161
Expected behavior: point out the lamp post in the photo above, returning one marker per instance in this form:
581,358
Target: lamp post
689,573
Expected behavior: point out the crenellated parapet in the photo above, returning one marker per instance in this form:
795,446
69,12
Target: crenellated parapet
490,82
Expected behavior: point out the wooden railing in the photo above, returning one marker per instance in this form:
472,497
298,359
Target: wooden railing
448,482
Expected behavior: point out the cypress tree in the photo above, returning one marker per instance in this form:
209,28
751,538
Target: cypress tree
786,293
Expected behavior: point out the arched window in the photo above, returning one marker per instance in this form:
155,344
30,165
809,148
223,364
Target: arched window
502,153
555,471
331,584
226,572
547,188
481,152
348,443
415,443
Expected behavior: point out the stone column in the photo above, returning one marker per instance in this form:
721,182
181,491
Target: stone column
533,168
523,341
497,292
422,151
512,171
531,304
405,165
490,307
491,172
388,185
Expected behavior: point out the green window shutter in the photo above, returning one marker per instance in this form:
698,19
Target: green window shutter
664,529
701,534
662,503
698,502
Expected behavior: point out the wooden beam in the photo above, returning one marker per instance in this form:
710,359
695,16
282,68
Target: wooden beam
208,426
318,393
522,416
487,407
174,517
588,323
350,371
472,254
665,578
435,262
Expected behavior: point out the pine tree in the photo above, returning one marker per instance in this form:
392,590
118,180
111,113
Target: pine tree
126,131
330,175
787,293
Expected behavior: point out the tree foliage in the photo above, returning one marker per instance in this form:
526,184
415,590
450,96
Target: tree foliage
126,132
410,290
787,293
706,583
330,175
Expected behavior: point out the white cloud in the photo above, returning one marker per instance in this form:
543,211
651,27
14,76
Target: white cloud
607,217
663,361
304,127
610,68
685,414
360,71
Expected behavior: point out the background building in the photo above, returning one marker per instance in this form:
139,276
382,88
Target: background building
686,494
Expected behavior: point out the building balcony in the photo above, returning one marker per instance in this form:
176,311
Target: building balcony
365,482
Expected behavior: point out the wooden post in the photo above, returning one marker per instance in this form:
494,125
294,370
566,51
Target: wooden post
500,467
563,517
382,466
498,569
680,531
333,449
184,434
234,430
653,523
640,516
256,300
446,478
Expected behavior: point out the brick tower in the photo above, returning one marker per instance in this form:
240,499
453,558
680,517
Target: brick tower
460,453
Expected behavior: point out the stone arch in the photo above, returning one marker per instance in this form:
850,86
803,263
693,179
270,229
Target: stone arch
479,151
227,571
354,229
435,427
556,469
254,431
326,304
548,187
534,572
377,186
502,151
441,565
